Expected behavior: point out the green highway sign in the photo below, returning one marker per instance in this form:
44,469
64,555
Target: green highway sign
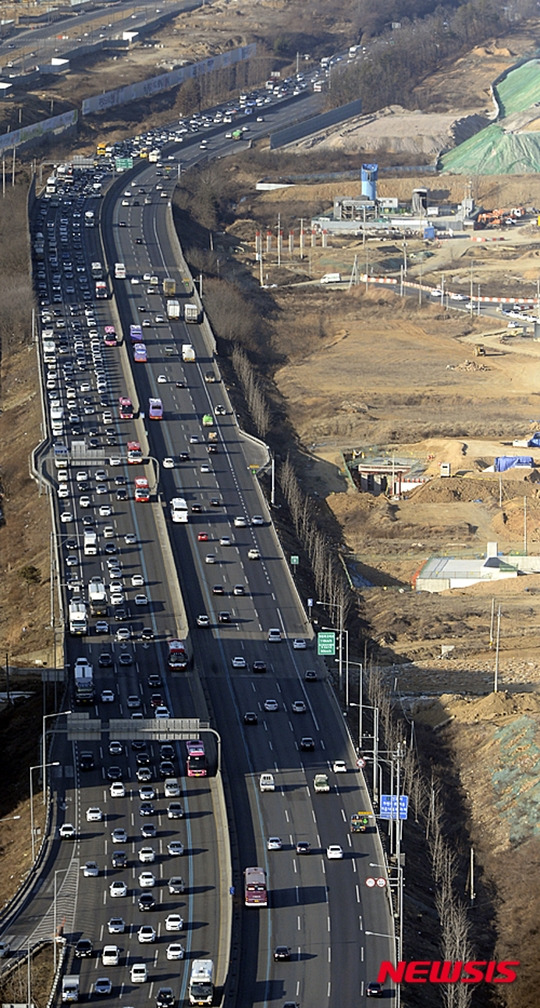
295,560
326,643
123,164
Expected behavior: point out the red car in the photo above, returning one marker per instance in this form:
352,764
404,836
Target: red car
202,537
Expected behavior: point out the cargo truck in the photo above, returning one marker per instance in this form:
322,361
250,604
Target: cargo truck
359,822
188,353
191,312
169,287
83,678
320,783
173,309
78,618
201,982
70,988
90,544
97,596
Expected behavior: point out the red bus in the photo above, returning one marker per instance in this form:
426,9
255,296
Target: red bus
142,490
255,892
134,453
178,658
110,338
101,289
196,764
135,333
155,409
126,410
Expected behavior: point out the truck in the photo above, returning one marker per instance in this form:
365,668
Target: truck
208,420
237,134
179,510
78,618
83,678
120,271
201,982
320,783
97,596
169,287
359,822
173,309
191,312
70,989
90,544
96,270
188,353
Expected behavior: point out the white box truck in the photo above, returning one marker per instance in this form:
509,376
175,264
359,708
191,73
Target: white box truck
201,982
188,353
97,595
78,618
70,988
90,546
173,309
191,312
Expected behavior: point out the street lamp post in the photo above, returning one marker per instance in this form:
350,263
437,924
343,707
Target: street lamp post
38,766
44,746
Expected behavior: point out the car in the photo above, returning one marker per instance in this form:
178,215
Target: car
114,773
334,852
83,948
142,758
175,810
239,662
146,809
299,707
66,517
116,925
303,847
146,901
147,633
253,554
168,463
175,951
149,831
271,705
138,973
299,644
307,744
102,627
220,410
167,751
146,933
133,701
274,843
154,680
118,888
218,589
225,541
195,507
144,774
250,717
167,768
215,502
137,581
147,855
240,522
176,885
90,869
175,848
119,859
210,558
67,831
156,700
282,953
71,560
310,675
374,989
174,922
203,620
94,814
164,998
274,635
107,696
147,792
339,766
125,658
203,537
194,439
130,538
102,987
141,600
224,617
162,712
161,379
116,748
119,835
184,457
123,633
257,520
110,955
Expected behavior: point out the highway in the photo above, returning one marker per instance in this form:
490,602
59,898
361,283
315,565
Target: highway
320,908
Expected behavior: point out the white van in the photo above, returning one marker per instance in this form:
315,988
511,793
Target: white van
172,787
331,278
267,782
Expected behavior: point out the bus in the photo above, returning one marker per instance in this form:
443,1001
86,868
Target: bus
177,657
140,355
101,150
120,271
110,338
101,289
196,764
125,407
179,511
255,893
134,453
155,409
135,334
142,490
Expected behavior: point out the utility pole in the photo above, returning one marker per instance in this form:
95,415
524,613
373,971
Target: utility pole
496,678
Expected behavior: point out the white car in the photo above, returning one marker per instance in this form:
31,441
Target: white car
175,951
139,973
299,644
147,879
239,662
253,554
203,620
271,705
137,581
118,889
299,707
66,516
274,843
175,847
174,922
90,869
133,701
205,468
240,523
107,696
117,598
334,852
257,520
168,463
105,511
116,925
161,379
67,831
225,541
110,955
339,766
119,835
161,712
147,855
94,814
210,558
146,934
141,600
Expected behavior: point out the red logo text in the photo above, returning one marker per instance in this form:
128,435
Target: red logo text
446,971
